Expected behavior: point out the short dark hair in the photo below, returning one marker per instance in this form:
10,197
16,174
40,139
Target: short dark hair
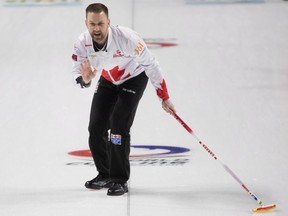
97,8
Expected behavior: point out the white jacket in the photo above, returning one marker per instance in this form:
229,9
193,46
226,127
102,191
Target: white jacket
125,56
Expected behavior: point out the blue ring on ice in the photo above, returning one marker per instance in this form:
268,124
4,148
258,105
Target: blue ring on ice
169,151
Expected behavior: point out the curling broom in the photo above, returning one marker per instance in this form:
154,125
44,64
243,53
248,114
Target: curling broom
262,207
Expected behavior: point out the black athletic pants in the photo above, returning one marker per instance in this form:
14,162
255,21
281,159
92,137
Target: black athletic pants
114,107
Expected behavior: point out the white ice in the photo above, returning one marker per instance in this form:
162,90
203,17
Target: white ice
228,78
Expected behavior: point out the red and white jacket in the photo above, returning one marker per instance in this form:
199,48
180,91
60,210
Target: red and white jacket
125,56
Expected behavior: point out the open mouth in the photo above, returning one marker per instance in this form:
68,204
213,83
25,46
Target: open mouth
97,35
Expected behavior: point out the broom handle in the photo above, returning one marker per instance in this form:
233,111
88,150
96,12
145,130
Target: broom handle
177,117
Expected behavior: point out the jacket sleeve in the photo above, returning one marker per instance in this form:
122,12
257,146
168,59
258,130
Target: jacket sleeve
152,68
78,56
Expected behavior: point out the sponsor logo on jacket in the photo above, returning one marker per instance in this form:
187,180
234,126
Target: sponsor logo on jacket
139,48
118,54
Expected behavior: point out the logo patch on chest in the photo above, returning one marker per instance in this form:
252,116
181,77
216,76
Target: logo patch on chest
118,54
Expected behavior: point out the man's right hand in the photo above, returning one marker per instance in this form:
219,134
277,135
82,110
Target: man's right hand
86,71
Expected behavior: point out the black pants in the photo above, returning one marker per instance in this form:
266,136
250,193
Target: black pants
114,108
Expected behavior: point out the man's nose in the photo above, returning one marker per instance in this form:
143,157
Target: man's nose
96,28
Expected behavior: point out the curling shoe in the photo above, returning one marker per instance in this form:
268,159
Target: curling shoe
98,183
117,189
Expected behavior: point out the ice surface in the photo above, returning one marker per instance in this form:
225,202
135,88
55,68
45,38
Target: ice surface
228,78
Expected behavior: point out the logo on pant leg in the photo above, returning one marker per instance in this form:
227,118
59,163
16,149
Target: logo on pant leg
116,139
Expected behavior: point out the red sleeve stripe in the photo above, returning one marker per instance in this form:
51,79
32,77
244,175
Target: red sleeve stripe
163,93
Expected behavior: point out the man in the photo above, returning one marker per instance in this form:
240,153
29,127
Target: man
125,64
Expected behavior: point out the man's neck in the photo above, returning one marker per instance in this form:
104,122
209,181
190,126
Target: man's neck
97,47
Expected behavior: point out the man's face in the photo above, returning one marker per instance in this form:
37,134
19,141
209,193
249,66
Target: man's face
97,25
